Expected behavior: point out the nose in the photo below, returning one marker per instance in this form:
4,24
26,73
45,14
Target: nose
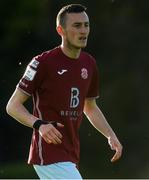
84,30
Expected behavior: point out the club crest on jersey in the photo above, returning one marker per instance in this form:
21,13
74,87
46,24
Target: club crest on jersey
34,63
84,73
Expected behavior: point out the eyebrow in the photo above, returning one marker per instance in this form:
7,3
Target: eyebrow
77,23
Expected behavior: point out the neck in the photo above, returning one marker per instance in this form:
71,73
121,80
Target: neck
70,51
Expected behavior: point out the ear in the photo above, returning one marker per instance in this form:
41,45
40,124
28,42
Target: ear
60,30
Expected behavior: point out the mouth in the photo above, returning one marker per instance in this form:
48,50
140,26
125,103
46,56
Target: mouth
82,38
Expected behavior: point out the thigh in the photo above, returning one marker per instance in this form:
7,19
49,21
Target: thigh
60,170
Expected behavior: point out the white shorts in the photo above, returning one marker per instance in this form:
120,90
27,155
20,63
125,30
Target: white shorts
60,170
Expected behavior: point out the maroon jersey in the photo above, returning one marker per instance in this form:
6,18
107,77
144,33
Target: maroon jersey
59,86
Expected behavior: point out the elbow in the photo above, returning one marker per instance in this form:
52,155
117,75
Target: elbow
87,111
89,106
9,108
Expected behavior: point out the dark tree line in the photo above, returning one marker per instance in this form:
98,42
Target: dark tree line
119,41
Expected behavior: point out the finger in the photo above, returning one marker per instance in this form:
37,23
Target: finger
54,136
60,125
56,139
53,130
51,134
47,140
57,133
116,156
53,140
56,124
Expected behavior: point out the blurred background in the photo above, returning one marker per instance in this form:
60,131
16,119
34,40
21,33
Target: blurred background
119,41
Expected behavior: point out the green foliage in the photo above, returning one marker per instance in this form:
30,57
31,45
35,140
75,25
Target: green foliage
17,170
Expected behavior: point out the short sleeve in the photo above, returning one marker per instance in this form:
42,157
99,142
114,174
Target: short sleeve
93,91
33,76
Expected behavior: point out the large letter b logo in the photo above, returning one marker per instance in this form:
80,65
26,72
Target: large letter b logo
74,101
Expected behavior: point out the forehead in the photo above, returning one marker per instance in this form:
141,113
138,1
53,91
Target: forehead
76,17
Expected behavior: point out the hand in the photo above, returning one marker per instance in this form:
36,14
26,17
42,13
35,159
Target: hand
50,134
116,146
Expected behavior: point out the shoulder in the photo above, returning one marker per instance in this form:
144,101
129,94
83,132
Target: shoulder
88,57
43,58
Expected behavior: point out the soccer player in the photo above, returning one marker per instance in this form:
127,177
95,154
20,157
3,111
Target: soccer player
63,83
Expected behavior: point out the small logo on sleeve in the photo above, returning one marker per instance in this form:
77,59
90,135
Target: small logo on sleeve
29,74
34,63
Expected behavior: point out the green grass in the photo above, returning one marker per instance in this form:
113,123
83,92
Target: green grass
17,170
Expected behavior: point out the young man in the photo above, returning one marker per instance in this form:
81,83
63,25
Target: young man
63,83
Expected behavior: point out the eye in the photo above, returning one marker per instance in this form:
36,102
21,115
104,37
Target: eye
77,25
87,24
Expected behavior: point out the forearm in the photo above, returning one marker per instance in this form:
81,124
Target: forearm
18,111
21,114
98,120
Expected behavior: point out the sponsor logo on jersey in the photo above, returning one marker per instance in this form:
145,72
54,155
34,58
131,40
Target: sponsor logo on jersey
34,63
29,74
74,99
62,71
72,115
84,73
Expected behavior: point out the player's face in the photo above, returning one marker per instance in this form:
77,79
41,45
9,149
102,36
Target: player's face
76,30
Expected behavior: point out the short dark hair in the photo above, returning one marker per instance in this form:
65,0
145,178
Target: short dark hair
71,8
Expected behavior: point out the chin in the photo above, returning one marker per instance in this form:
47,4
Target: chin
82,46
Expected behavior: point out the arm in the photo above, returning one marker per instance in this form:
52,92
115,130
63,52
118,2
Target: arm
18,111
98,120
